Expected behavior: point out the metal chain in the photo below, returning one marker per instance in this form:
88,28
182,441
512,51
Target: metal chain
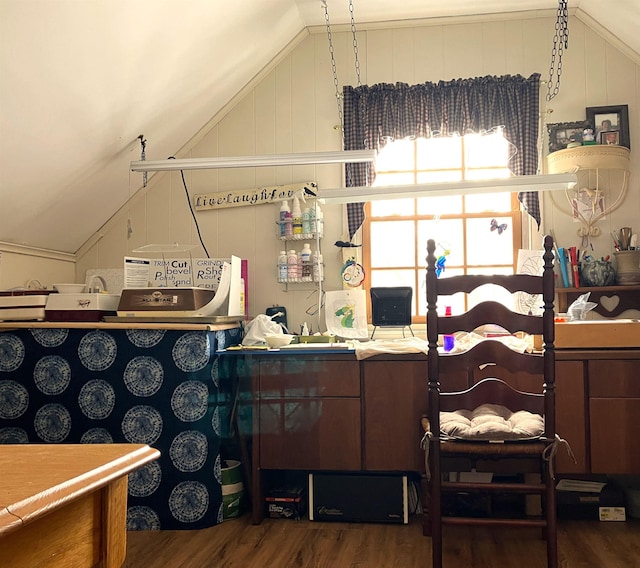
560,43
333,68
355,42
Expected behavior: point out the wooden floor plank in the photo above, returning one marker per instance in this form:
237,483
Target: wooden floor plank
304,544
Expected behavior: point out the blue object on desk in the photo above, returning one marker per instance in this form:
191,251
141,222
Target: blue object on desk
563,266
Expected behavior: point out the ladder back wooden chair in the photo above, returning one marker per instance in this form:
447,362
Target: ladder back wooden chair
490,421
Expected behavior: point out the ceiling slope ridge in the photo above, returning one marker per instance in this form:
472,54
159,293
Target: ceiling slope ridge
608,36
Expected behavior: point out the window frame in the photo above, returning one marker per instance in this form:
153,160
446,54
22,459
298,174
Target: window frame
515,229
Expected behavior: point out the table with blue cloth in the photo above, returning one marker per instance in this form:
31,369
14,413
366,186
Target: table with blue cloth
145,384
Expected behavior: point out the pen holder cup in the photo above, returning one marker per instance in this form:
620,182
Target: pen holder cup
628,267
597,273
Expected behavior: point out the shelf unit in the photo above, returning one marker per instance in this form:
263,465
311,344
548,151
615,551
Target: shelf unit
316,268
589,160
617,299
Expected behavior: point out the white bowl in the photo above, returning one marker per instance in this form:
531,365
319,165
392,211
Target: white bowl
279,340
69,288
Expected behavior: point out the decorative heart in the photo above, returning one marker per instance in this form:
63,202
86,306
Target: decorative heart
609,303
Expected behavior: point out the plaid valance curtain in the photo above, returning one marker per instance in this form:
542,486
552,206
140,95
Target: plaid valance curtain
380,113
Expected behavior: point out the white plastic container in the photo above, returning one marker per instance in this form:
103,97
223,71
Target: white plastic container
306,225
284,209
305,260
292,266
283,266
296,214
317,270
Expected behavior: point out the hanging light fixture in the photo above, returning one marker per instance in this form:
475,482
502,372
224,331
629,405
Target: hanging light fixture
548,182
308,158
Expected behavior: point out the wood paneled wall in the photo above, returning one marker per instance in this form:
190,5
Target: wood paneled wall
291,107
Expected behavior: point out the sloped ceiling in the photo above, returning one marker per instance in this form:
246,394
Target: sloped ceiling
80,80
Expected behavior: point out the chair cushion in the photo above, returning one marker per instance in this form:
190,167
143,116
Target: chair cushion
491,422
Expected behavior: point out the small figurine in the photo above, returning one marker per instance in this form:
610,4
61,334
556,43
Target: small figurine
587,137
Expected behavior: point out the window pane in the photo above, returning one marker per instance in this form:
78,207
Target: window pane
490,292
487,247
486,150
439,153
446,205
447,233
392,243
488,173
396,155
456,301
395,278
395,178
481,203
390,207
439,176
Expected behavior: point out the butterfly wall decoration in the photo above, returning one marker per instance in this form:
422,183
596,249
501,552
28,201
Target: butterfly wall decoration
498,227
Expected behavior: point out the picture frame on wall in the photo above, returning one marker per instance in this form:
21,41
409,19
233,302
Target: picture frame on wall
563,133
607,120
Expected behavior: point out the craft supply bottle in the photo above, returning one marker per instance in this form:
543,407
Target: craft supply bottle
305,257
312,220
316,262
448,340
292,266
306,225
283,266
319,222
300,268
283,218
288,225
296,214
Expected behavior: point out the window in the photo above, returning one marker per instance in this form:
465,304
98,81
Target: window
480,232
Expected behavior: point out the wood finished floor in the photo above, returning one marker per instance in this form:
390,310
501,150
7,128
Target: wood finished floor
304,544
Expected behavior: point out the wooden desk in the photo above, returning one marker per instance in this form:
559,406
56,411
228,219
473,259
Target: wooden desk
66,505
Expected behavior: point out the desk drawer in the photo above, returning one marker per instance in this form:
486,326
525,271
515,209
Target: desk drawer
614,378
300,378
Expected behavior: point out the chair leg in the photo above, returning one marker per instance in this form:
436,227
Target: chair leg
426,507
435,510
550,513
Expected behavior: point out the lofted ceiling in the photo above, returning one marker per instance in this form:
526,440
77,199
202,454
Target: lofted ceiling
80,80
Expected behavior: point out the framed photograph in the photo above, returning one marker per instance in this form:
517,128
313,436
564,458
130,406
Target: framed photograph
562,133
607,119
609,137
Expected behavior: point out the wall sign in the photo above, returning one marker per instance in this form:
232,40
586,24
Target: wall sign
243,197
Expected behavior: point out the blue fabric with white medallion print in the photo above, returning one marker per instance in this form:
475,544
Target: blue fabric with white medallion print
102,386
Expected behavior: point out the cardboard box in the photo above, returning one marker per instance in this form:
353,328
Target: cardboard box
598,333
285,503
590,499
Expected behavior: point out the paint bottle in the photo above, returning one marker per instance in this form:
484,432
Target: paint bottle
288,225
312,220
306,225
283,266
316,264
305,258
292,266
448,341
283,218
296,214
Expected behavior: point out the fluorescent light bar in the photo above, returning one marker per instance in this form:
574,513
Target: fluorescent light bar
511,184
339,157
